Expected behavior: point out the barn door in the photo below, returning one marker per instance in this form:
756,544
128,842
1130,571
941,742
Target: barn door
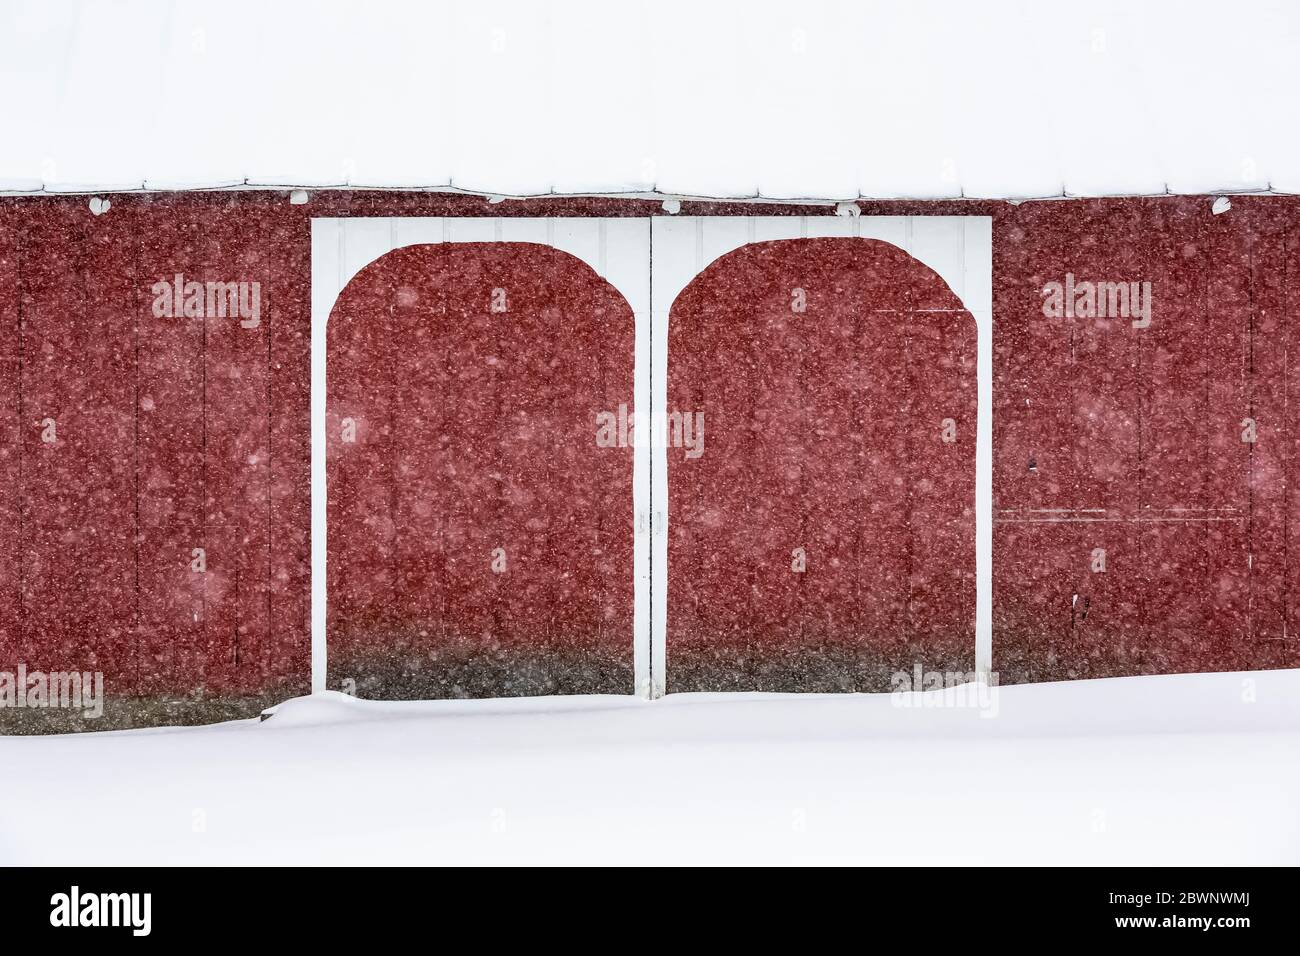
480,531
820,529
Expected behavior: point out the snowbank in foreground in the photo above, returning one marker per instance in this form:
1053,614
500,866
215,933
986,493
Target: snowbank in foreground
1187,769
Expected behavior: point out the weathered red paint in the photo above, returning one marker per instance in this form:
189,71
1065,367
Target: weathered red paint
1144,425
480,541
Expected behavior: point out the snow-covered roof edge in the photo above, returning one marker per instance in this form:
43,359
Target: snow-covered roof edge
845,100
73,191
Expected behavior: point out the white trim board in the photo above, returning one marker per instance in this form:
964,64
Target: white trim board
650,261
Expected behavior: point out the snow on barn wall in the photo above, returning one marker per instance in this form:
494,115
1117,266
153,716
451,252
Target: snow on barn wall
154,471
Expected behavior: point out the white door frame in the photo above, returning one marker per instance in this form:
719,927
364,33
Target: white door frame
649,261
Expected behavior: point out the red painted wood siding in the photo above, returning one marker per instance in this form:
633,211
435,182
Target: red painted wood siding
823,432
12,638
475,443
1136,439
165,430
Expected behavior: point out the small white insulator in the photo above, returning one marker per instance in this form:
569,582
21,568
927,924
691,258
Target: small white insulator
99,206
298,197
1222,204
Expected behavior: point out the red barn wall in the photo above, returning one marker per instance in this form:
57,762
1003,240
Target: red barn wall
169,435
1136,440
174,434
